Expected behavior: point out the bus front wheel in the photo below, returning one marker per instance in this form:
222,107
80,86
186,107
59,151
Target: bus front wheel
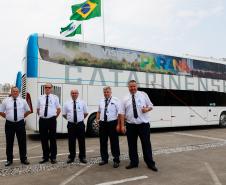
223,119
92,126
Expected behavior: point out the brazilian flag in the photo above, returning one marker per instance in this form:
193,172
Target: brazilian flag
87,10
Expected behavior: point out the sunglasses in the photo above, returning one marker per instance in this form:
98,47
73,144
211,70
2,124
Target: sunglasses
48,87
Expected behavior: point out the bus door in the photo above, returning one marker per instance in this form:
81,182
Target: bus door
67,97
198,108
57,90
213,114
180,112
198,115
180,116
160,116
212,107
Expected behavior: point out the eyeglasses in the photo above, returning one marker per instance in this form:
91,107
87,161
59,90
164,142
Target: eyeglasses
48,87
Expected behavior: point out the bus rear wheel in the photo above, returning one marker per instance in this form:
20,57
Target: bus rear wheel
223,120
92,126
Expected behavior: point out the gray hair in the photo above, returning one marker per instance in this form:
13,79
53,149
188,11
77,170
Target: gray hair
76,90
107,88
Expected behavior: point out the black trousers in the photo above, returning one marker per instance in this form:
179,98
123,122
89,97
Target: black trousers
143,131
47,130
18,128
76,130
108,129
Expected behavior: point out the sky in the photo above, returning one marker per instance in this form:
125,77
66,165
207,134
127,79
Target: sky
175,27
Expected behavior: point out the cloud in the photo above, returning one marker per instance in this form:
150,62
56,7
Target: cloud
168,26
192,16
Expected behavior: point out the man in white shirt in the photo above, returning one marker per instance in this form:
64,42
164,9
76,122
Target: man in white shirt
75,111
134,109
14,109
48,109
107,116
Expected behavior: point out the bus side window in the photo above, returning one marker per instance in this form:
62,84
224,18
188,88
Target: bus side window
199,98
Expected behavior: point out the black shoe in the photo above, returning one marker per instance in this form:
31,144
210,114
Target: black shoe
130,166
70,161
26,162
43,161
153,168
103,163
115,165
8,163
83,161
53,161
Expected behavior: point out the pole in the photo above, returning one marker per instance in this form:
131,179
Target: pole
102,7
83,36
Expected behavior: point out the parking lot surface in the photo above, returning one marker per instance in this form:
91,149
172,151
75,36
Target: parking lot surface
184,156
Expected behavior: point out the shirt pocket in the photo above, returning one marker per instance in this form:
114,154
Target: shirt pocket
20,106
51,103
141,103
79,108
112,108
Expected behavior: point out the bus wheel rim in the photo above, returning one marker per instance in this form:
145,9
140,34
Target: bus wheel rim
95,126
223,119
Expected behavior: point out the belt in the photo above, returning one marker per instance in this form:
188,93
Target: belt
13,122
54,117
76,122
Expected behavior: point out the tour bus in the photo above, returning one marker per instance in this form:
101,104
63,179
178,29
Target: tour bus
185,91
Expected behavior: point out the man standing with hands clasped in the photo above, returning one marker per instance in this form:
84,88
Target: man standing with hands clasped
134,109
14,109
48,109
75,111
107,116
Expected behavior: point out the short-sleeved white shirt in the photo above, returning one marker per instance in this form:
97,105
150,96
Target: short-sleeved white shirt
8,108
113,109
53,105
81,109
142,100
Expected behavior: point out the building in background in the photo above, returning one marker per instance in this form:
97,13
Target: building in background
4,91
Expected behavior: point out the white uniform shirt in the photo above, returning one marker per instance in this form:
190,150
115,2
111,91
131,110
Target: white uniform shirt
81,109
8,108
53,105
142,100
113,109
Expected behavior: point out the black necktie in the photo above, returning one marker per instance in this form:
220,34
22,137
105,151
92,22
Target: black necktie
46,106
105,110
75,113
15,110
134,107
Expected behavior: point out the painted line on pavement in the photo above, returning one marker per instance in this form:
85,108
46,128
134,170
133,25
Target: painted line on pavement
123,180
75,175
212,174
199,136
40,156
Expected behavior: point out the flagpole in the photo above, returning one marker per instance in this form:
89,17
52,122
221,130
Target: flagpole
83,36
102,5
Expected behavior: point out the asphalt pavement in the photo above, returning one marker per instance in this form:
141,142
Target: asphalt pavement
184,156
